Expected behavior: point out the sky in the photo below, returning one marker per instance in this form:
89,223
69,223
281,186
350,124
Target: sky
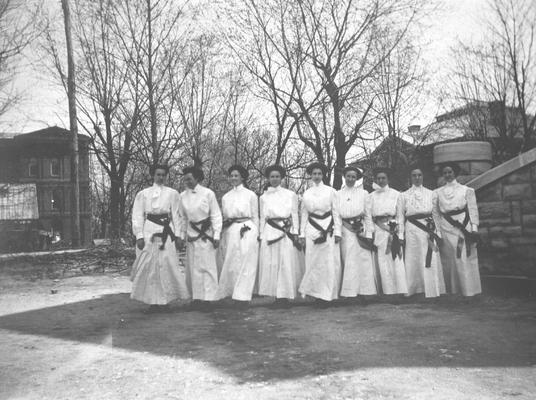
44,104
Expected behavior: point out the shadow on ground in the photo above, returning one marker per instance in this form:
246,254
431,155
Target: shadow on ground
261,344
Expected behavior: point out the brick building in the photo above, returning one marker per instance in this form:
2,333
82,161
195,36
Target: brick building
43,158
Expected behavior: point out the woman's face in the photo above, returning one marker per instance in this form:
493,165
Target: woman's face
274,178
159,176
317,175
350,178
416,177
448,174
189,181
381,179
235,178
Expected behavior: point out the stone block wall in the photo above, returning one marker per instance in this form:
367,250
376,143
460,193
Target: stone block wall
507,210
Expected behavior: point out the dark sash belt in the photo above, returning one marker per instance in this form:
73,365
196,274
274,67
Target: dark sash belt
393,244
429,228
228,222
355,225
162,220
285,229
466,236
323,232
201,228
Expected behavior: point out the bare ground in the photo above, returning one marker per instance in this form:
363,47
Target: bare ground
88,340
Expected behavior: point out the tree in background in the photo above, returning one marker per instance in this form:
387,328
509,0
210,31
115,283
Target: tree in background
495,79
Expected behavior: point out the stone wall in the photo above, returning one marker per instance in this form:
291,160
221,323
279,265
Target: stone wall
507,209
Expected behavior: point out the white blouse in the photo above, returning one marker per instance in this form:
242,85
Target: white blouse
455,196
278,203
420,200
386,202
157,199
353,202
240,202
319,199
196,205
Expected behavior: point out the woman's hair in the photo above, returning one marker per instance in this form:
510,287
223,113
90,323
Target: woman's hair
454,166
277,168
413,167
153,168
382,170
352,168
196,172
316,165
241,170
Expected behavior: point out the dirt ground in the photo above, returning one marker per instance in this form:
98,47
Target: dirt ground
81,337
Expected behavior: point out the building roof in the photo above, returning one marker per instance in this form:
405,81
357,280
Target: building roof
18,201
51,133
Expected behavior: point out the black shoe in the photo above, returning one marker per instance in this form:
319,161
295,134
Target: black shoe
281,304
319,303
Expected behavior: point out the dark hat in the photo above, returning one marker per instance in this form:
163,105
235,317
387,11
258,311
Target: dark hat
196,172
241,170
316,165
277,168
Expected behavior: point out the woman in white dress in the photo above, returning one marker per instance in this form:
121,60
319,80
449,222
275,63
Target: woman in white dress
201,224
459,229
423,264
281,261
320,234
240,211
385,211
359,277
156,276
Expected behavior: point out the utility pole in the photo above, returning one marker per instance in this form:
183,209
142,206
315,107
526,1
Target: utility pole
71,95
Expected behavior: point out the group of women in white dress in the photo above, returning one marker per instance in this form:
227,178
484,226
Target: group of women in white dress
339,244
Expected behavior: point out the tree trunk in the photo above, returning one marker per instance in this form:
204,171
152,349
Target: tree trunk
71,94
115,210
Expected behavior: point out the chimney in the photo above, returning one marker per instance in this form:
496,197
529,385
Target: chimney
414,128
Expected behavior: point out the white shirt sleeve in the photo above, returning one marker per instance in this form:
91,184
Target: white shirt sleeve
215,215
304,218
138,215
337,221
436,216
254,205
183,220
175,215
294,214
400,217
472,207
262,220
369,225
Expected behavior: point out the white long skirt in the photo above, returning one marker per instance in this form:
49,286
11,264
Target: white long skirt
461,274
157,277
358,277
392,272
239,268
420,279
322,276
281,268
202,271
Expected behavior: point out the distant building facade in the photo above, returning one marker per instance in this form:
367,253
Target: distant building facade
43,158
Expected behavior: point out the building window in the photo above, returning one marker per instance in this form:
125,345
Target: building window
55,167
32,168
57,200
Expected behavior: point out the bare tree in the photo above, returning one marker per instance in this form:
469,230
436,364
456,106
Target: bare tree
18,29
495,79
325,55
109,96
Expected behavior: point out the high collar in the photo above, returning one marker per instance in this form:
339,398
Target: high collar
453,183
272,189
157,186
415,187
355,187
195,189
320,184
383,189
239,187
